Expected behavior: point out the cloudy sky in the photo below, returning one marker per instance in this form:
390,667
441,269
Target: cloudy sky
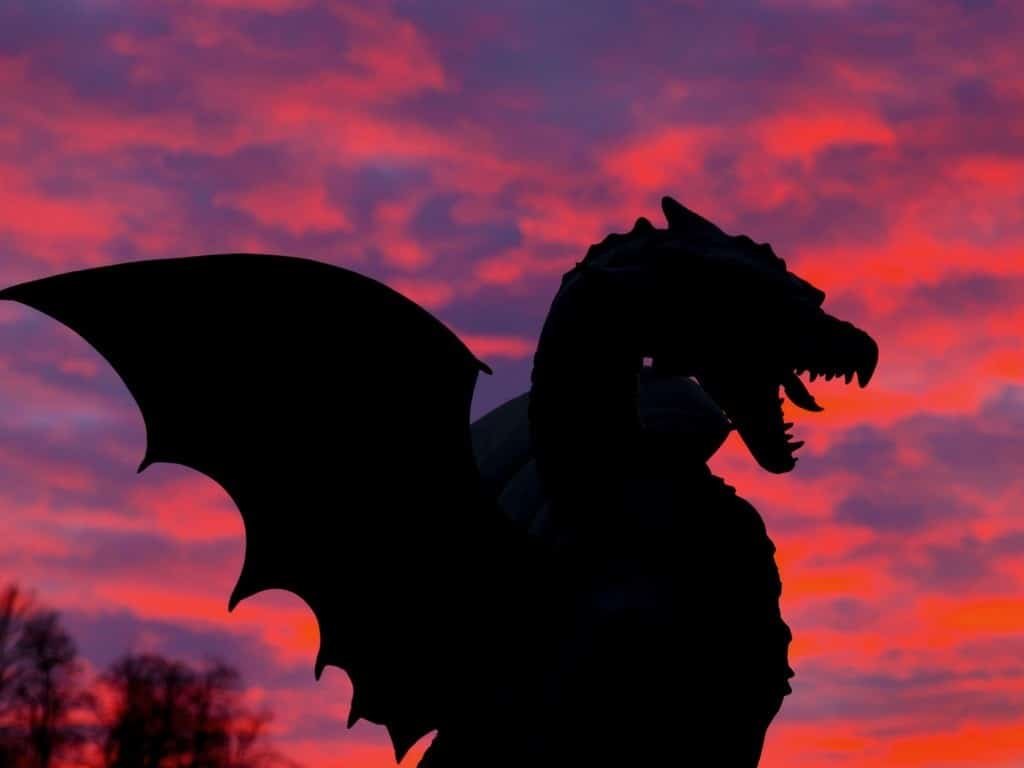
467,154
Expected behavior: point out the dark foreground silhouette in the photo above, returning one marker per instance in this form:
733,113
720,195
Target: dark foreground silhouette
143,711
567,583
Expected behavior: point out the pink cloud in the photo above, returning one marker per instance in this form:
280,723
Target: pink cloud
806,132
432,294
485,346
289,126
293,208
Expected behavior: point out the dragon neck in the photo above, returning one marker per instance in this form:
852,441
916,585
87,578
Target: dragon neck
584,423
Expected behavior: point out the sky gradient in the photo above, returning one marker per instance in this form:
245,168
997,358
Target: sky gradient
467,156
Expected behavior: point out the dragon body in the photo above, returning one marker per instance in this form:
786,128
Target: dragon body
548,587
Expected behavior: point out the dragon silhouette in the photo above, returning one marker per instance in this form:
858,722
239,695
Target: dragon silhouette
564,581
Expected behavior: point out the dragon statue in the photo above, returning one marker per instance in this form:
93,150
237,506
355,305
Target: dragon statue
562,582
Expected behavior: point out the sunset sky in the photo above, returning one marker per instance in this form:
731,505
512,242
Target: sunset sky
467,154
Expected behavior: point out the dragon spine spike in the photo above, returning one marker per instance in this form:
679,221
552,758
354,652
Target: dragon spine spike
643,224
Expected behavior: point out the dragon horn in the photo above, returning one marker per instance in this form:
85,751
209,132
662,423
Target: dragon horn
682,219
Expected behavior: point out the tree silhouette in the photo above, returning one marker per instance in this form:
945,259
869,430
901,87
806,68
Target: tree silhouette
146,711
167,714
42,695
50,692
15,606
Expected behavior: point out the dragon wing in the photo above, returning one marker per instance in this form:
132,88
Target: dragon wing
335,413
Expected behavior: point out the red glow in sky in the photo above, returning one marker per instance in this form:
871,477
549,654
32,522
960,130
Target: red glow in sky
468,156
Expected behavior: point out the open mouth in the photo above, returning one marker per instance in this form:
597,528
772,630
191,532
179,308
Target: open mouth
797,393
754,404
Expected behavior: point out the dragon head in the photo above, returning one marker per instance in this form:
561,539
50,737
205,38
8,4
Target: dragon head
726,311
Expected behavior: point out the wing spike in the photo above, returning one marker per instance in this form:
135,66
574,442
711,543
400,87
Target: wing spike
147,461
238,594
330,653
321,663
402,739
21,293
355,710
249,583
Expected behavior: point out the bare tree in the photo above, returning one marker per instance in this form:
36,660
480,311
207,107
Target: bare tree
49,692
15,607
155,712
168,714
143,731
